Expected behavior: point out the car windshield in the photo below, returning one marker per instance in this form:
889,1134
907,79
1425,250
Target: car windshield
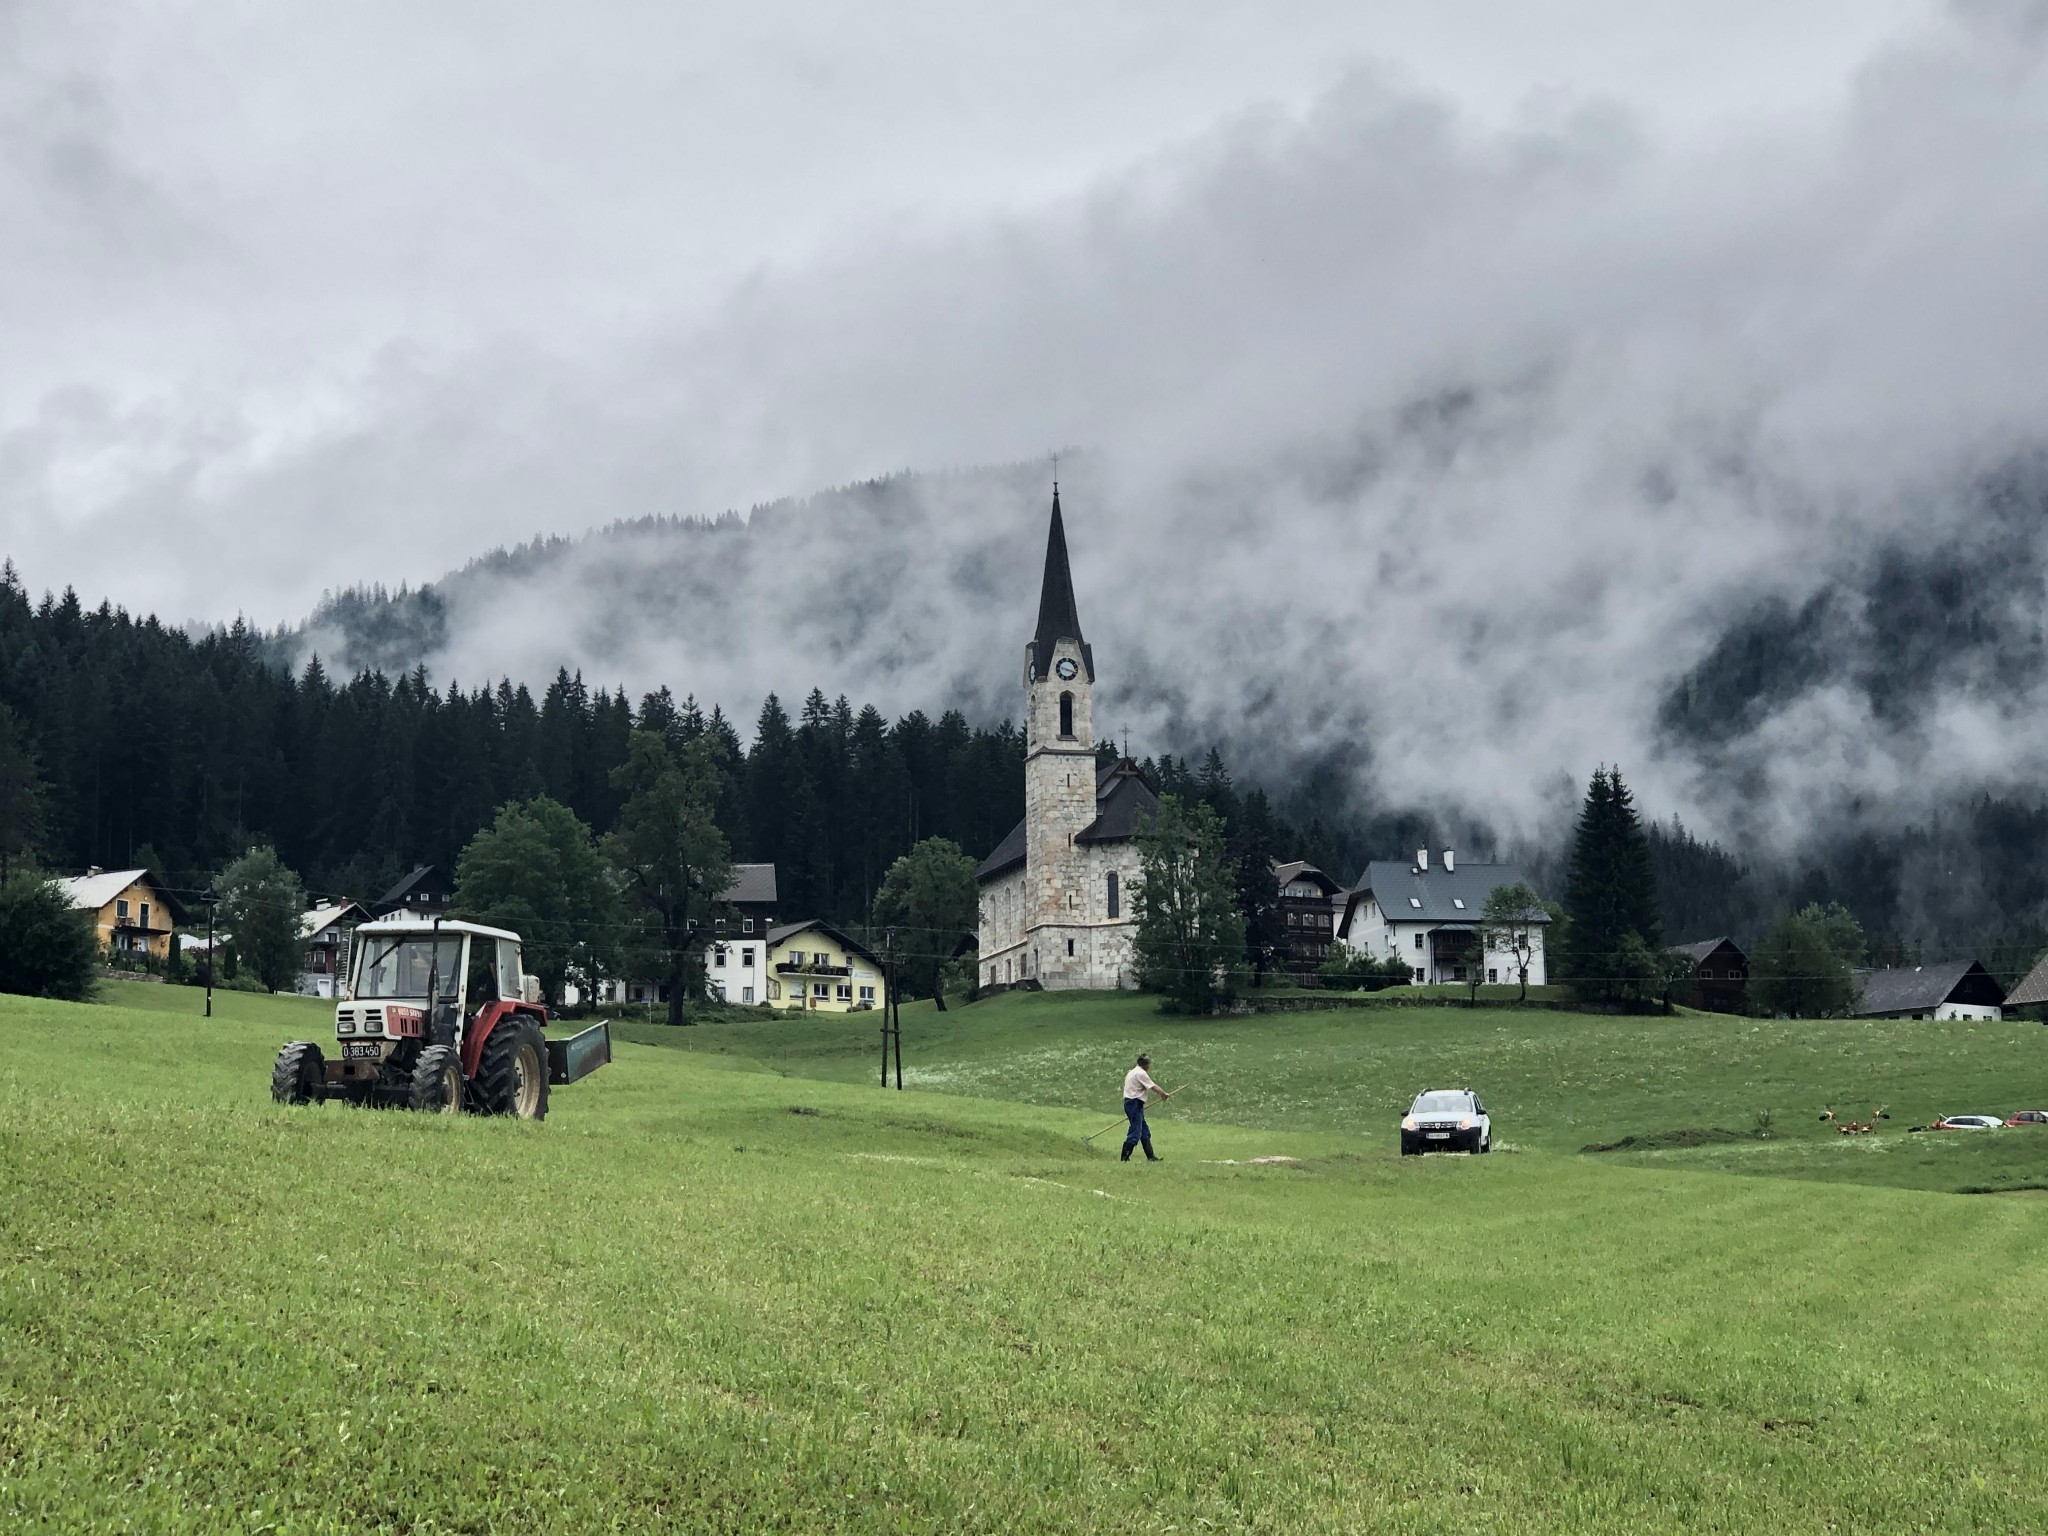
1443,1102
399,966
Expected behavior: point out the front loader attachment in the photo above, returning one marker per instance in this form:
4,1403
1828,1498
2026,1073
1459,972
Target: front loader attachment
579,1055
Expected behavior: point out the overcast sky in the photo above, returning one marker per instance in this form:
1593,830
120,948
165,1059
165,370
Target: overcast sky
297,296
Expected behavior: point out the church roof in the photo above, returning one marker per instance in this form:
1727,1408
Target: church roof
1122,801
1058,618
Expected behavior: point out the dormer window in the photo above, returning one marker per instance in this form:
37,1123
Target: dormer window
1066,717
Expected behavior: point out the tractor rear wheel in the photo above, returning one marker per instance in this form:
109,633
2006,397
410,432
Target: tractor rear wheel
436,1081
512,1076
299,1073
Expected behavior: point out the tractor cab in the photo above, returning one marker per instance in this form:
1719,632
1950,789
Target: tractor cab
440,1015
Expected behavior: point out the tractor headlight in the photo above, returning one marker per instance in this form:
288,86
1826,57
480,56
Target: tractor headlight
372,1027
344,1025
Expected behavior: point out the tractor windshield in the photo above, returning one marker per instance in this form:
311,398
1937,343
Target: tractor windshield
399,967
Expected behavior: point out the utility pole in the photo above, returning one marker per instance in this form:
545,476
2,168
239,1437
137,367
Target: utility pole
892,1022
209,896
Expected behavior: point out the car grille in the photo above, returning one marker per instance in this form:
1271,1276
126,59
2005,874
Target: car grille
1437,1125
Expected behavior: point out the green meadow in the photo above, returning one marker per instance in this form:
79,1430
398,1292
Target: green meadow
733,1285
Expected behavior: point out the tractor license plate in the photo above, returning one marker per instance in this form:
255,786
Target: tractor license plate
363,1050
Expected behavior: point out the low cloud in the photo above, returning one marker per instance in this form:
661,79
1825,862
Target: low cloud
1446,449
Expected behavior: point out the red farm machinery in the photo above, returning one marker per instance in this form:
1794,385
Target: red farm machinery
439,1015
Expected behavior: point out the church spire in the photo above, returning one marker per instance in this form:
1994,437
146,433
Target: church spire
1058,618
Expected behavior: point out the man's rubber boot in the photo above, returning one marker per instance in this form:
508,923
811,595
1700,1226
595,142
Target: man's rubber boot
1150,1157
1126,1157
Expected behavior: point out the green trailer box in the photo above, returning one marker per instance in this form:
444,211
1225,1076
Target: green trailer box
579,1055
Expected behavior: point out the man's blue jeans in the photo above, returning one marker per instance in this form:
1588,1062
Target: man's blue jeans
1134,1111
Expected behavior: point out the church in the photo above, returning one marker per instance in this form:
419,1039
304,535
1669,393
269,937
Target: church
1056,894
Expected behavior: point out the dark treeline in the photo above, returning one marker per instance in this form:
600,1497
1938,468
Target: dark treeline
176,752
179,752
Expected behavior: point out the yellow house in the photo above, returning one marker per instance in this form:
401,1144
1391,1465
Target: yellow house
815,967
131,912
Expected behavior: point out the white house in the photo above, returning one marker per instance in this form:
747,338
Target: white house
1428,913
327,931
1961,989
736,969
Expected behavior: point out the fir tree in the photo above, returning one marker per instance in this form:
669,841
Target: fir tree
1611,893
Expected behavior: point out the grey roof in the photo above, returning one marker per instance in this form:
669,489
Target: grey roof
2033,987
750,883
1902,989
405,887
1409,895
1009,853
1296,869
1706,947
1058,617
846,940
1122,801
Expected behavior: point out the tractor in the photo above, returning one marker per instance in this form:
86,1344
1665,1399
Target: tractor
438,1015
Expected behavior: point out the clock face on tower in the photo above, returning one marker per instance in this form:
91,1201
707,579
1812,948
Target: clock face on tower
1066,669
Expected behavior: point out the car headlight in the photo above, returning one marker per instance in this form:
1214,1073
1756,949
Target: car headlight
1407,1122
1464,1122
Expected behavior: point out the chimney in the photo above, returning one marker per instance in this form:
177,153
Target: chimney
1422,858
1450,860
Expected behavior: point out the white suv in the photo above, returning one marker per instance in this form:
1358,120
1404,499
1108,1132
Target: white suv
1446,1120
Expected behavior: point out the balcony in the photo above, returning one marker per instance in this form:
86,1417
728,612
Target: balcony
810,968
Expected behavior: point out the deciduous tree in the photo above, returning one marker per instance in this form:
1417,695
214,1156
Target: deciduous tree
47,947
1513,918
930,895
668,846
1190,934
537,871
261,903
1805,966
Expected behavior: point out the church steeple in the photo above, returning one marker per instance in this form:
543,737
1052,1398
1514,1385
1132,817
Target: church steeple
1058,618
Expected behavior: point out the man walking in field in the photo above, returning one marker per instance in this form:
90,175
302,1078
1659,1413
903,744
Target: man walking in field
1137,1083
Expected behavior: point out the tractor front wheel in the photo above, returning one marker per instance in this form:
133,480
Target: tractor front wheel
299,1073
436,1081
512,1076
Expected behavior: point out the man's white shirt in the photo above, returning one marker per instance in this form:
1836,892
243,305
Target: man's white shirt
1138,1082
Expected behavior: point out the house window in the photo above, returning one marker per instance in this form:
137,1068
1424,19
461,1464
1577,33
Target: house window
746,925
821,989
1492,975
867,994
747,957
1293,920
1418,941
718,957
121,910
1070,949
1115,897
1458,902
145,914
1066,716
746,994
718,926
845,993
1415,902
1418,974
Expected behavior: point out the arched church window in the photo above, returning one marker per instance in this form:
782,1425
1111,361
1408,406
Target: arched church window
1066,717
1115,898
